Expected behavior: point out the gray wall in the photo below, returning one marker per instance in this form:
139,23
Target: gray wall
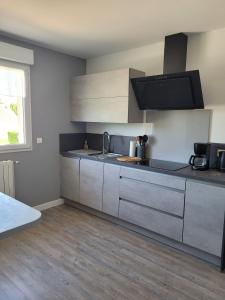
37,175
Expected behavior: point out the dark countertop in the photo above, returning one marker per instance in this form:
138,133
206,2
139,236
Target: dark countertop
212,175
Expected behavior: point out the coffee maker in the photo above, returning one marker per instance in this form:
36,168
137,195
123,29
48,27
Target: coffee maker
200,161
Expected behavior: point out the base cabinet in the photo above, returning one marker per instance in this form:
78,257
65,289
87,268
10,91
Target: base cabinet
111,189
194,216
91,183
204,216
70,169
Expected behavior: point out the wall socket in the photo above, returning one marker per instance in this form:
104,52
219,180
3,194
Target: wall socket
39,140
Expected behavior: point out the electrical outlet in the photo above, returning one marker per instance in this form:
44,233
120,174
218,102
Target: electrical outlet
39,140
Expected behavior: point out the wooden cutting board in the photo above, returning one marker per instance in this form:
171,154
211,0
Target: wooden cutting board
128,158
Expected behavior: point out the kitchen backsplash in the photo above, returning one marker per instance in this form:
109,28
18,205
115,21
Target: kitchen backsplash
73,141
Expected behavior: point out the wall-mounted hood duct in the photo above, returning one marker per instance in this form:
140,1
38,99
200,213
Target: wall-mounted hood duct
176,88
175,53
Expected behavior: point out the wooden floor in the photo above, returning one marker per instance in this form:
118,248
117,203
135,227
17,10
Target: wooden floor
73,255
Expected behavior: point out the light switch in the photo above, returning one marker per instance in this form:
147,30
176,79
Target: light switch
39,140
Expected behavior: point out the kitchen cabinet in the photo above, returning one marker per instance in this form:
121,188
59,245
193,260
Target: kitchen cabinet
153,220
153,201
111,189
184,210
204,216
170,181
153,196
91,183
106,97
70,169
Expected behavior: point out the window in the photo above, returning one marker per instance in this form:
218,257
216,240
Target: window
15,108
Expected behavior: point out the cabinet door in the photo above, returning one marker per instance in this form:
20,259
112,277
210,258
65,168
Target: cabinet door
70,169
91,183
111,189
101,85
204,216
113,110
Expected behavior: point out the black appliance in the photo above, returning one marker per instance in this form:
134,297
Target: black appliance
221,160
162,164
176,89
172,91
200,161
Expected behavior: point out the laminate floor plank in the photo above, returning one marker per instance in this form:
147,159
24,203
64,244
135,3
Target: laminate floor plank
72,255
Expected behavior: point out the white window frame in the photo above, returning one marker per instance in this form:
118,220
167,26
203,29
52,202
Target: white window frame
27,146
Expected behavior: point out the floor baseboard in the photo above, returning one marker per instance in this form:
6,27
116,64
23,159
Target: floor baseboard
50,204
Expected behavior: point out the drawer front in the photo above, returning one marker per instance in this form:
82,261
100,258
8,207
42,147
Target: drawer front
155,196
153,177
155,221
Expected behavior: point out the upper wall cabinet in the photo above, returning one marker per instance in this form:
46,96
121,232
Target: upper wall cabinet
106,97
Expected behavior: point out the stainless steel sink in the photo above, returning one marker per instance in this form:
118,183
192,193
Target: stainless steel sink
106,155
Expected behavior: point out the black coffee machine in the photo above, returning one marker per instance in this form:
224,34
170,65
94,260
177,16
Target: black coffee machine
200,161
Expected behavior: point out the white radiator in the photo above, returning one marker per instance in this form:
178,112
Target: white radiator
7,180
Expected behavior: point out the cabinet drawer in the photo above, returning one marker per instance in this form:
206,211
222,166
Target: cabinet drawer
152,220
155,196
153,177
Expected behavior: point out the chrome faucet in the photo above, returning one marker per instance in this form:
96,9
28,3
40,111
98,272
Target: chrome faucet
104,149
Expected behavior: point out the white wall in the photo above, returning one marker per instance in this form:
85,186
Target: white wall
148,59
206,52
173,133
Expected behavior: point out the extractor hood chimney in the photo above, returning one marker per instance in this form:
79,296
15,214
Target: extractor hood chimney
175,53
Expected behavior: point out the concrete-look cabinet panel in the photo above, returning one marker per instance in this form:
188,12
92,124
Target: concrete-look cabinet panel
111,189
155,196
106,97
204,216
91,183
102,110
153,220
101,85
70,178
154,177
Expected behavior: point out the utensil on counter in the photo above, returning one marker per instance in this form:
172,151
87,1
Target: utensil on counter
141,142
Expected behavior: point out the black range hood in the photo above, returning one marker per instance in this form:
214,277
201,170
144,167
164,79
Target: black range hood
176,89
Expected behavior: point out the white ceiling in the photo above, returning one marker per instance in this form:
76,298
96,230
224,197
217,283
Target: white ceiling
88,28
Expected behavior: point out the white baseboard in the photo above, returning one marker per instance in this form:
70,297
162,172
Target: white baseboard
49,204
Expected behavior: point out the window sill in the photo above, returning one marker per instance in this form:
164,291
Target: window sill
15,148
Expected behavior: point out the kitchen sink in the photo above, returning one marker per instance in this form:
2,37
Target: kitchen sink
106,155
